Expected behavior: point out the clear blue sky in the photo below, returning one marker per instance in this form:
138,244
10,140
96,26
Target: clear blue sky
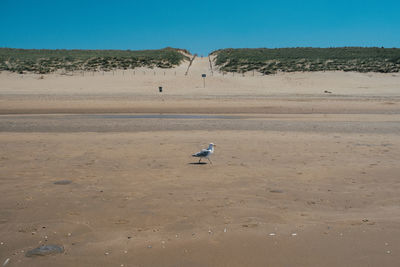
200,26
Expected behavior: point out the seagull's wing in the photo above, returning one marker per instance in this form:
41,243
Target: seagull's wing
203,153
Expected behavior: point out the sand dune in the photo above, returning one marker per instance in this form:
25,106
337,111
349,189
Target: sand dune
137,91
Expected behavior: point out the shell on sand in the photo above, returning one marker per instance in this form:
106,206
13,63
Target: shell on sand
45,250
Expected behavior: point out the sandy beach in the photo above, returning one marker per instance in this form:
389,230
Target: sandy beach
305,171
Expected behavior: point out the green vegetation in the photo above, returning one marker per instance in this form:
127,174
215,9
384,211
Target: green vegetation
46,61
269,61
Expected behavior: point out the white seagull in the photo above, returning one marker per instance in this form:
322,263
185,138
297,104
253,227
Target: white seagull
205,153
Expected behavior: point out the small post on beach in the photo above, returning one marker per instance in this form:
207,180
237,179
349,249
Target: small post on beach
204,80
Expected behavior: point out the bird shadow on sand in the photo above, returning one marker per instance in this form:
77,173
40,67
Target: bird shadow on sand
197,163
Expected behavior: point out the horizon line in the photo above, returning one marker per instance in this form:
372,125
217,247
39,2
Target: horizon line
178,48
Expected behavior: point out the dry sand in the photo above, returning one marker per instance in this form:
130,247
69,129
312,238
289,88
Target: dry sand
300,177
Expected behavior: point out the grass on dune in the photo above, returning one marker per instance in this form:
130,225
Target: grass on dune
47,60
269,61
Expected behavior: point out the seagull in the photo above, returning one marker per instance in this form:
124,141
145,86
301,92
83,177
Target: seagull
205,153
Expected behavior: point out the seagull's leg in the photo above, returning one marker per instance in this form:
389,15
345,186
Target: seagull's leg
199,160
209,161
